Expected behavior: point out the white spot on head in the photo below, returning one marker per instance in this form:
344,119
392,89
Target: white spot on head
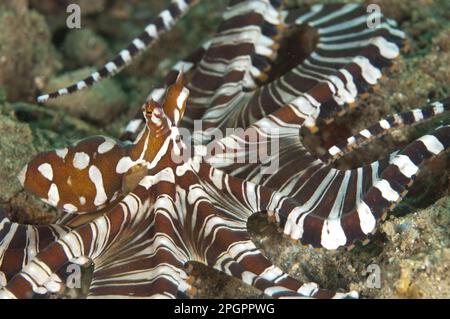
82,200
46,171
96,177
62,152
106,146
53,195
124,164
22,175
81,160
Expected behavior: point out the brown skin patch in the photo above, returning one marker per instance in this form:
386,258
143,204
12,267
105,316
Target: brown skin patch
74,183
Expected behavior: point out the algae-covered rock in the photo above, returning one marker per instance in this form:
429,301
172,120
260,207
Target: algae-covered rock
85,48
16,149
99,104
26,54
416,259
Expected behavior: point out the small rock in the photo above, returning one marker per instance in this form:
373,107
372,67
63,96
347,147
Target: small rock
16,148
389,229
25,51
84,47
98,104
